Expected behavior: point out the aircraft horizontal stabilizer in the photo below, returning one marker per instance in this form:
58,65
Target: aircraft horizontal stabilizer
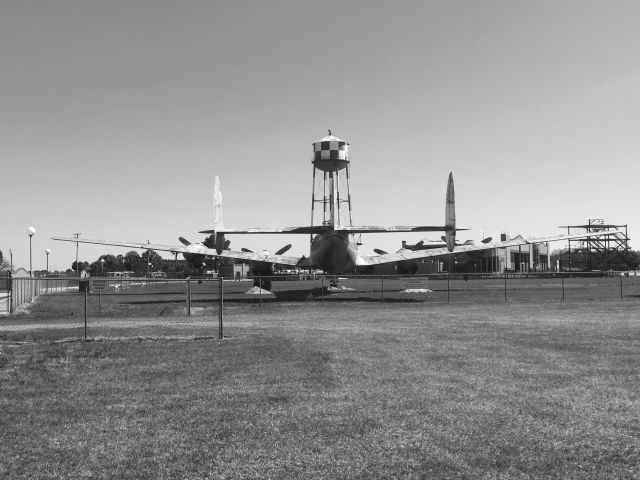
401,228
292,230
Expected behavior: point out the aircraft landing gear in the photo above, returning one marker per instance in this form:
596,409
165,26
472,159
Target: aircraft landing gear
262,282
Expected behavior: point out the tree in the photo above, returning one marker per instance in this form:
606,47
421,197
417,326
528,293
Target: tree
110,262
132,261
120,263
81,266
151,257
3,264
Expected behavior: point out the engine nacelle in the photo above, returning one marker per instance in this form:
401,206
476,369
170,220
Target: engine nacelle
195,259
262,269
219,242
407,268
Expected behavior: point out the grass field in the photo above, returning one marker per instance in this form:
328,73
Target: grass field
337,390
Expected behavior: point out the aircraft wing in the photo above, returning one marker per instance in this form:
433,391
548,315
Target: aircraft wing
435,252
242,256
250,257
142,245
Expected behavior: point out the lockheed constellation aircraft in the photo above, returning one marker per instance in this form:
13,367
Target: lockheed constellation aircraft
333,246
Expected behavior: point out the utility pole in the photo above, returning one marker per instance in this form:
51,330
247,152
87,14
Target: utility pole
77,268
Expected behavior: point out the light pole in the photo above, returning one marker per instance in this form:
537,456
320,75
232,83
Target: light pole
47,251
102,266
31,232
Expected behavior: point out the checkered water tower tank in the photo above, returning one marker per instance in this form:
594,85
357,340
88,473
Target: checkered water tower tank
330,154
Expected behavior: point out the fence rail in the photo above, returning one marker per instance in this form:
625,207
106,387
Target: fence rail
69,307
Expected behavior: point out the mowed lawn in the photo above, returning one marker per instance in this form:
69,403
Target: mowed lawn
339,390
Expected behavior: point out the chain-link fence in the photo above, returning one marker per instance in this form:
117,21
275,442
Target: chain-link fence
139,307
20,291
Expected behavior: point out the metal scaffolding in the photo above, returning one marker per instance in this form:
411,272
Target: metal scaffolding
608,252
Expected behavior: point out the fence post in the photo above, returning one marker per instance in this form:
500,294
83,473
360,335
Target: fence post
621,297
188,297
221,308
85,313
505,287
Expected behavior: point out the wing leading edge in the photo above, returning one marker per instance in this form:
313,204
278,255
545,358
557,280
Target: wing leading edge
141,245
242,256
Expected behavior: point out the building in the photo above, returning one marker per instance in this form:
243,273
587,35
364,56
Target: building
521,259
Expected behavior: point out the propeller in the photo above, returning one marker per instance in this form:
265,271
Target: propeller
192,256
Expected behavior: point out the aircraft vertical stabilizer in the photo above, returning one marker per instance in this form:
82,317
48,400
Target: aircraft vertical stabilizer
450,215
218,223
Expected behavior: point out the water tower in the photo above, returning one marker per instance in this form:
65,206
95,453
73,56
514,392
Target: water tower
330,196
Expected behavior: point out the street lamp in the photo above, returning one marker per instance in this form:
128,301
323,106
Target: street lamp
47,251
31,232
102,265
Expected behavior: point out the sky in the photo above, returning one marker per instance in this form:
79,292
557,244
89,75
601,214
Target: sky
117,115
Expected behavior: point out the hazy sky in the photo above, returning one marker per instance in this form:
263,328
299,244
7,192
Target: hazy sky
115,116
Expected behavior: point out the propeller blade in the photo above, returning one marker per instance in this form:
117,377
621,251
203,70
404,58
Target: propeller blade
486,240
246,250
184,241
283,249
379,252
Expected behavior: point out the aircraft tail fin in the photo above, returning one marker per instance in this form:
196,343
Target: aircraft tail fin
450,215
218,223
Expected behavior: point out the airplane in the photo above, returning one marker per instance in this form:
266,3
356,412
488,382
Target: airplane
334,248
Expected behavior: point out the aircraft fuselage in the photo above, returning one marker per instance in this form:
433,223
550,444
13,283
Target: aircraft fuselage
334,252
